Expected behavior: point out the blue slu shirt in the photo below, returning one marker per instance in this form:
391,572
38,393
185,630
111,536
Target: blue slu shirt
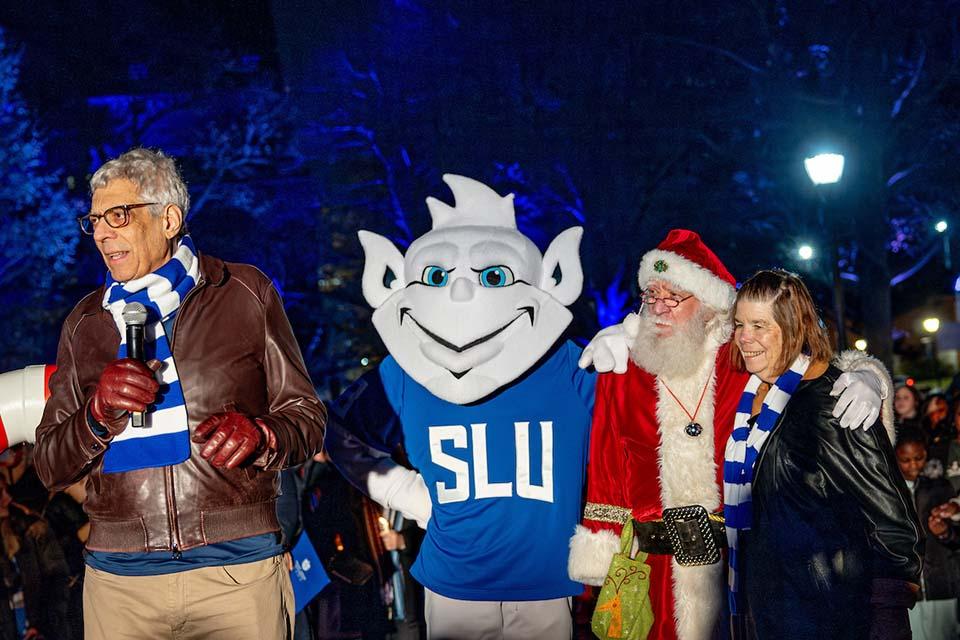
506,477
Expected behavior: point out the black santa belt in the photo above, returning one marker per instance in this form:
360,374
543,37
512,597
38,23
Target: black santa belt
691,534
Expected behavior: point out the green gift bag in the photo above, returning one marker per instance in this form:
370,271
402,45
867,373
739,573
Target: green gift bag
623,608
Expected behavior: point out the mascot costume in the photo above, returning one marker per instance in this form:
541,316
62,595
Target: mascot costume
487,403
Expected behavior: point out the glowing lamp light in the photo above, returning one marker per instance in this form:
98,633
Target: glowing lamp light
805,252
941,226
931,325
861,345
910,382
824,168
364,361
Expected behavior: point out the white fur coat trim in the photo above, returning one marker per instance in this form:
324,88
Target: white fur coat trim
590,554
688,275
688,476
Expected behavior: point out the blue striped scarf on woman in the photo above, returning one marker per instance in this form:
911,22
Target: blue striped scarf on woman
743,447
166,438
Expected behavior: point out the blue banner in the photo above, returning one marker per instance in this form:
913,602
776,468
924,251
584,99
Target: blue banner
308,575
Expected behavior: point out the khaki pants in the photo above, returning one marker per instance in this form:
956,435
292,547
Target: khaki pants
253,600
449,619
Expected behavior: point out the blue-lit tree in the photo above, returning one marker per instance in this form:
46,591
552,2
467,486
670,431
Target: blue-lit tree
39,238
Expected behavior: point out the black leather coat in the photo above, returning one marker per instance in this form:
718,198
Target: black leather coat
835,539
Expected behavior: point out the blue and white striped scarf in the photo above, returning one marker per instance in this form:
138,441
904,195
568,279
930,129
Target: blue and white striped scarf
166,438
743,447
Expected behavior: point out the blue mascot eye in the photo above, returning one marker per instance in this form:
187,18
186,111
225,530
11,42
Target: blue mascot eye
496,277
434,276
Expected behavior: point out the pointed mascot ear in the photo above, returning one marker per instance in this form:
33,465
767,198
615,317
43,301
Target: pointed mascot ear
380,255
564,252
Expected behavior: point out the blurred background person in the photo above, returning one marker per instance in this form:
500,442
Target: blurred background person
401,540
906,406
343,526
934,617
71,527
943,458
32,548
935,420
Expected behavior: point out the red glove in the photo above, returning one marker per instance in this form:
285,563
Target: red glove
231,438
125,385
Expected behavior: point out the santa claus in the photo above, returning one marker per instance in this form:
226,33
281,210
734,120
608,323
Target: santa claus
659,432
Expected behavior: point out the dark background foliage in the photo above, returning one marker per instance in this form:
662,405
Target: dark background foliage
297,124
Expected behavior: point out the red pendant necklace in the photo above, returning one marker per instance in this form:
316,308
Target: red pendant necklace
693,429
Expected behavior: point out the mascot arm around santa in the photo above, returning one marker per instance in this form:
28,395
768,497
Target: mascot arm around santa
490,407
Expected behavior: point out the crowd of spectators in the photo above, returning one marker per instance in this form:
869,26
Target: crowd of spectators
928,453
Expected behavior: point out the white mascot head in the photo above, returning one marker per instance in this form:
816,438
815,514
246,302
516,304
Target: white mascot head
473,305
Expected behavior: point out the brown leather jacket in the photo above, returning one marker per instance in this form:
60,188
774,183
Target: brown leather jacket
234,350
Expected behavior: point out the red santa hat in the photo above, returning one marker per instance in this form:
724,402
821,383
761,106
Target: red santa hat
683,260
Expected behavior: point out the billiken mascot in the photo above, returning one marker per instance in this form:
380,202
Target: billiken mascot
660,430
488,404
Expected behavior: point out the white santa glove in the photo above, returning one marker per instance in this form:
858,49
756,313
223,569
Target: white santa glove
861,396
610,349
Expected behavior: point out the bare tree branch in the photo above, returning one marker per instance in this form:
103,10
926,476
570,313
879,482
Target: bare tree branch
914,78
725,53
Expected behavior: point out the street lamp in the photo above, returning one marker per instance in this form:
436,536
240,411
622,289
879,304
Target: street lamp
931,325
805,252
825,169
941,228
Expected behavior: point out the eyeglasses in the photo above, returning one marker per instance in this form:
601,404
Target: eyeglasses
115,217
647,297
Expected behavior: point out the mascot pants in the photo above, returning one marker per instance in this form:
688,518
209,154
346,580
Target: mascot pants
450,619
235,602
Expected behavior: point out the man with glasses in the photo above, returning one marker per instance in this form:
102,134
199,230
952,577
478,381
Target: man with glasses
184,534
660,429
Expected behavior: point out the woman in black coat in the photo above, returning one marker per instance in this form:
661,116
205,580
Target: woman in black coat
824,534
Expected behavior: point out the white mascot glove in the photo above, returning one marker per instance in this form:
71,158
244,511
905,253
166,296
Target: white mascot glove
610,348
400,489
861,396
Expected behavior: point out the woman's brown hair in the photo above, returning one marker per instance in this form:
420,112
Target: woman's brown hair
794,311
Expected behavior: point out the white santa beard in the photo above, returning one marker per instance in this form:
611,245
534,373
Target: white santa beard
688,475
678,355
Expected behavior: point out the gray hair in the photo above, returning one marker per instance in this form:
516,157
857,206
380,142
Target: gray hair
156,176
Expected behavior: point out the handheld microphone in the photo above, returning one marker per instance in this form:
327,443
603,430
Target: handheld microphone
135,316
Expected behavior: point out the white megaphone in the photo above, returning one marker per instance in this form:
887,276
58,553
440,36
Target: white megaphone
22,395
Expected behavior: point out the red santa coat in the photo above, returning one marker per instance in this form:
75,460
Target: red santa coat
642,461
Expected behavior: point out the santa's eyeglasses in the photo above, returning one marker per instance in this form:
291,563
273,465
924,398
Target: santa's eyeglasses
671,302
